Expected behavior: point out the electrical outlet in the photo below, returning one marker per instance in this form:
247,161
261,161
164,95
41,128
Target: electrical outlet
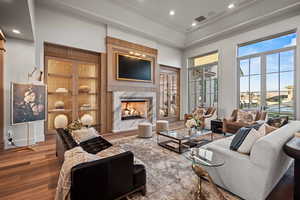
10,134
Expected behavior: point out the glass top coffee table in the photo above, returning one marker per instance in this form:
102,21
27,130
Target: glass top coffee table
181,140
198,165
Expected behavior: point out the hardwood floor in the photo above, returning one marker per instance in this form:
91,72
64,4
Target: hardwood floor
32,175
29,175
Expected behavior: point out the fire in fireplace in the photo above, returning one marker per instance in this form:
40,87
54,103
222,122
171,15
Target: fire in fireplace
134,109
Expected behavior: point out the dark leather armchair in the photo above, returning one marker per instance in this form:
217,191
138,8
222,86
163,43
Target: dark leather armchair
231,125
109,178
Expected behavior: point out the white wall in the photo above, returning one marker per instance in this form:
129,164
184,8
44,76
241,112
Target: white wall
228,97
19,61
65,29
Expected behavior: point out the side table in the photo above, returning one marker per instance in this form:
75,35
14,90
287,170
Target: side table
292,149
216,126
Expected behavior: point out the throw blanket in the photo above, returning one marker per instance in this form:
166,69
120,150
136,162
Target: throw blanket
73,157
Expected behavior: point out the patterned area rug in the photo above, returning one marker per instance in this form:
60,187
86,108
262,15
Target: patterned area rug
169,175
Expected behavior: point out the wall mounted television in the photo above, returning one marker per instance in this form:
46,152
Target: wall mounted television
132,68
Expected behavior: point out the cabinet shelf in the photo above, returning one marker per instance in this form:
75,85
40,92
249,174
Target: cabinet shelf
59,111
88,77
59,75
88,93
59,93
86,110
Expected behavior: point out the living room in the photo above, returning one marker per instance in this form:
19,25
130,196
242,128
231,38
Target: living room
158,99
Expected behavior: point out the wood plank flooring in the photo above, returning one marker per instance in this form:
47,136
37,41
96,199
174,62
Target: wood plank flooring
33,175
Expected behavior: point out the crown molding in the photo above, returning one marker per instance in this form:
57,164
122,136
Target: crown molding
277,15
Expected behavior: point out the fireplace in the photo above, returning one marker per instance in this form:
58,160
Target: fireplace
134,109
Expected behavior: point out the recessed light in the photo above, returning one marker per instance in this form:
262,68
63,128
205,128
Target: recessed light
172,12
194,24
230,6
16,31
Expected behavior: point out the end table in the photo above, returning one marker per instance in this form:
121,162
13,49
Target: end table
292,149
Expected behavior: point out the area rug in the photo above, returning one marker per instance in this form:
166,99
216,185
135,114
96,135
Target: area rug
169,175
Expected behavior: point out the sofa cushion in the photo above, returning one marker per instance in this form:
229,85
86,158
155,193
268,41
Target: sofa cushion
265,129
249,141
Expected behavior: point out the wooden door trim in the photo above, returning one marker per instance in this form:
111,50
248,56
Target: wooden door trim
2,51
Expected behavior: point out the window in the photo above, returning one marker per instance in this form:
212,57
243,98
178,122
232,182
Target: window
267,75
203,81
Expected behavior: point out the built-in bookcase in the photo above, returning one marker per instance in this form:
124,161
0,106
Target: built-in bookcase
76,73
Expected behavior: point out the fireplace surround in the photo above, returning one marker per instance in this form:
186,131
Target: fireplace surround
132,108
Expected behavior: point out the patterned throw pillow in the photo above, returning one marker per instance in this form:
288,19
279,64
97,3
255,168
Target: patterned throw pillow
246,116
199,112
84,134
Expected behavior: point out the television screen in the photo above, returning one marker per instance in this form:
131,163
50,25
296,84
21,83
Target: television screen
133,68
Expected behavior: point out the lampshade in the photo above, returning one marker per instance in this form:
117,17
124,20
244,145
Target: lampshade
87,120
61,121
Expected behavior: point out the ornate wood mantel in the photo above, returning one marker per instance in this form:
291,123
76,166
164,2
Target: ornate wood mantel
2,51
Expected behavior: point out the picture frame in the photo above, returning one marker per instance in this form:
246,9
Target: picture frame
28,102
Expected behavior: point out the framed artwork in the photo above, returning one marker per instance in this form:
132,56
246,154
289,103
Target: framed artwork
28,102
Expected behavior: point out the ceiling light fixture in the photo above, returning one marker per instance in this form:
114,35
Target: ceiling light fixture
16,31
194,24
172,12
230,6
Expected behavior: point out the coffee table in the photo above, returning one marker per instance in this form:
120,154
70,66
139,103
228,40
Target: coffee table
180,141
198,165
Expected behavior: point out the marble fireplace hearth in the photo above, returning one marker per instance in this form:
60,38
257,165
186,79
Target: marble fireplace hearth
121,125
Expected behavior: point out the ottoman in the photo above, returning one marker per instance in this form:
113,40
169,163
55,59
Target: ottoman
162,125
145,130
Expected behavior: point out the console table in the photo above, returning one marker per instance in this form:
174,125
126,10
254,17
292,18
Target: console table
292,149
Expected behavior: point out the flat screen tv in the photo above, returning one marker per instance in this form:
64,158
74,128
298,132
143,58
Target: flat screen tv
133,68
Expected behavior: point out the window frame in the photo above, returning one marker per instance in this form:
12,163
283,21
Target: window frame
191,66
263,64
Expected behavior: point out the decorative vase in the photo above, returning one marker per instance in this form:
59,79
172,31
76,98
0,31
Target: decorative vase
61,121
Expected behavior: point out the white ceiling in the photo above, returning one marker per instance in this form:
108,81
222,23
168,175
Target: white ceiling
185,10
15,14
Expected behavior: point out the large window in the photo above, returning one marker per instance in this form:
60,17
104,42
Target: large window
203,81
267,75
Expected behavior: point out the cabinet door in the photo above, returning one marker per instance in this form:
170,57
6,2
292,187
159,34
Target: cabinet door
88,99
59,77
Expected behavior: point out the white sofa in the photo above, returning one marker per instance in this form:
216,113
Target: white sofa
253,177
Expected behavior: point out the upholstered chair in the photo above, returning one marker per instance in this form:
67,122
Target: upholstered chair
231,125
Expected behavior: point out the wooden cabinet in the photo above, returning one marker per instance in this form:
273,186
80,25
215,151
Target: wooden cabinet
169,105
73,88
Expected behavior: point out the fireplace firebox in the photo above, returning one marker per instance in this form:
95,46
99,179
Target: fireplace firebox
134,109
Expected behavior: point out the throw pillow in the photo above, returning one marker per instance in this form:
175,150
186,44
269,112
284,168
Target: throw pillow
266,129
278,122
249,141
246,116
239,138
111,151
84,134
